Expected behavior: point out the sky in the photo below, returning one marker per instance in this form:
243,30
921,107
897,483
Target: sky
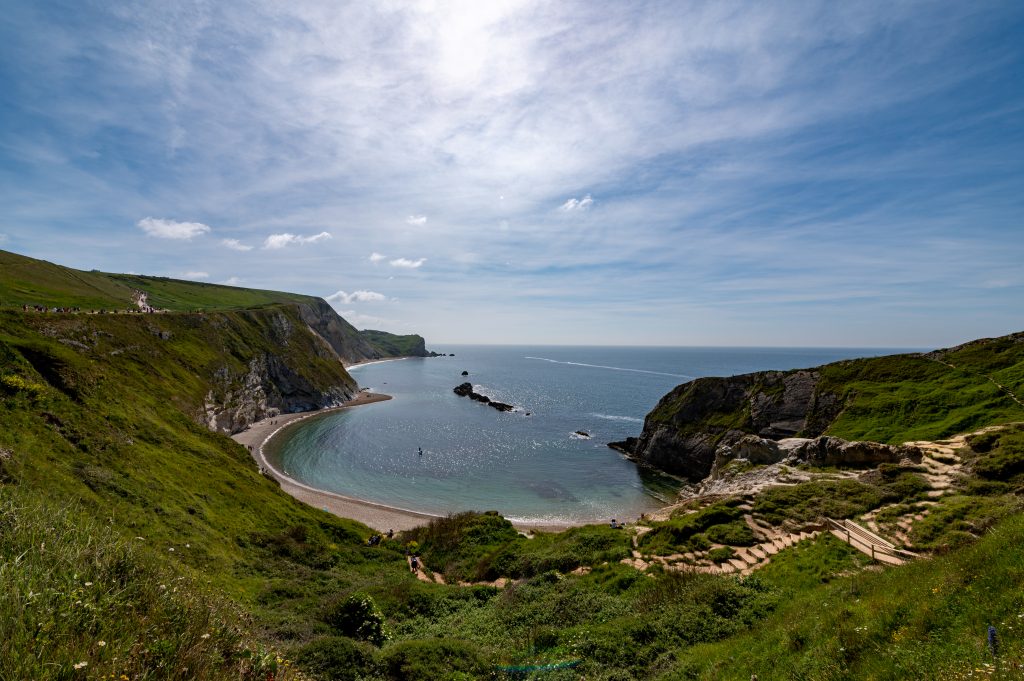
791,173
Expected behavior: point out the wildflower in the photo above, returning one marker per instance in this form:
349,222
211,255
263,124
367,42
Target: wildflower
81,664
171,549
101,643
205,636
88,583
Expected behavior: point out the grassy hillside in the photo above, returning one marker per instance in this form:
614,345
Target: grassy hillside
908,397
135,540
889,399
27,281
392,345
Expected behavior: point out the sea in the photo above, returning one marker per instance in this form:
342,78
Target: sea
532,465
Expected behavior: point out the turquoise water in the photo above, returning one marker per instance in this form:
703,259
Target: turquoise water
530,468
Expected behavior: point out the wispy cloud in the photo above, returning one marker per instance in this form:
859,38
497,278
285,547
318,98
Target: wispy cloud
277,241
407,263
235,245
232,281
355,297
693,172
170,229
196,275
577,204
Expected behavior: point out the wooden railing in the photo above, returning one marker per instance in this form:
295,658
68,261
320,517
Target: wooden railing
868,542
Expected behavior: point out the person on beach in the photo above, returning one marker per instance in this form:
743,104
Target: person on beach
421,451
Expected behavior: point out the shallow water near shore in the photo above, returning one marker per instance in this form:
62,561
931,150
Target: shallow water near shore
531,468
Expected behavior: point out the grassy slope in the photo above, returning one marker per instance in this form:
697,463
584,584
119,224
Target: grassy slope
27,281
394,345
112,426
924,620
897,398
907,397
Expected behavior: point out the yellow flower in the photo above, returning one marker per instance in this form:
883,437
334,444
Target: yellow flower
101,643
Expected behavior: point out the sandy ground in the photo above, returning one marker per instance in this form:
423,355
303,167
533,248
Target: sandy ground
377,516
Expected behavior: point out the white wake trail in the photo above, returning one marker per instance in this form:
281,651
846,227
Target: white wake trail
602,366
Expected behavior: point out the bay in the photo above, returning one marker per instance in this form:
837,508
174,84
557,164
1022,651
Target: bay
531,468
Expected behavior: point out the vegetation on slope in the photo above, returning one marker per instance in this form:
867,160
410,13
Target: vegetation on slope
103,413
889,399
392,345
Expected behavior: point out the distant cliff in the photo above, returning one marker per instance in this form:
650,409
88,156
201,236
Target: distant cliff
883,399
390,345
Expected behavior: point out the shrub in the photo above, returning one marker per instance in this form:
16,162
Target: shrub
357,617
432,659
721,554
337,658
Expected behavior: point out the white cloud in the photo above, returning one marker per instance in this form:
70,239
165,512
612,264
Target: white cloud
577,204
355,297
196,275
231,281
170,229
3,238
377,257
276,241
236,245
405,262
363,321
417,220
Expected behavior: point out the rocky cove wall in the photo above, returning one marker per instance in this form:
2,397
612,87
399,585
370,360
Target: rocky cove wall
685,431
286,366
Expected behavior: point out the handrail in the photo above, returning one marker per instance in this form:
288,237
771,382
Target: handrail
855,534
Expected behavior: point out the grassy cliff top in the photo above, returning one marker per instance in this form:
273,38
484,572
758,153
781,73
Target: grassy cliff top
27,281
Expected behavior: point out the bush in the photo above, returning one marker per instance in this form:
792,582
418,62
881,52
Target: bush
357,617
336,658
432,659
721,554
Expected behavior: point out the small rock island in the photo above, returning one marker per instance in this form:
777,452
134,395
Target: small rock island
466,390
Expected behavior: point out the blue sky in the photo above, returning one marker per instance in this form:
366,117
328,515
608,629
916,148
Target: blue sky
641,173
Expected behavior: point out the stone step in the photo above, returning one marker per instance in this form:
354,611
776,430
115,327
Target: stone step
736,563
757,552
770,548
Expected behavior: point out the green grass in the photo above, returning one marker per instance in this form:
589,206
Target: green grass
82,601
484,546
28,281
392,345
111,486
889,399
927,619
718,523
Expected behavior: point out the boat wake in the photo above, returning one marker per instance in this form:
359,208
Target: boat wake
602,366
613,417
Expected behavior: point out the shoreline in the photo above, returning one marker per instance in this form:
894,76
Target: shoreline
380,517
367,362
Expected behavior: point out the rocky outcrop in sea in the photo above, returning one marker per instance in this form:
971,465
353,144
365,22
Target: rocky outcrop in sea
466,390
